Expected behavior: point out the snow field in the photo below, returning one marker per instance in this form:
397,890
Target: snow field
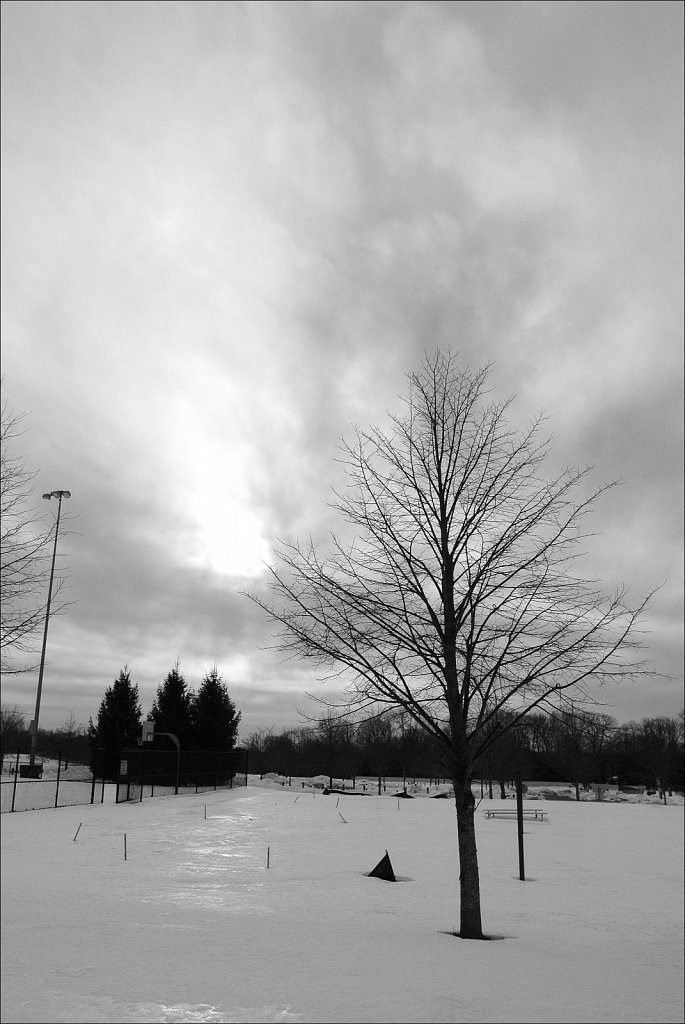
193,926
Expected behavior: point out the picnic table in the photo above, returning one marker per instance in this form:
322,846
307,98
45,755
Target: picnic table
529,813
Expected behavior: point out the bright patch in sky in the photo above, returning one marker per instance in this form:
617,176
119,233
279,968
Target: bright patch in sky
228,530
229,537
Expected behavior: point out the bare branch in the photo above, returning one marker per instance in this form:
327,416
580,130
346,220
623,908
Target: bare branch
25,554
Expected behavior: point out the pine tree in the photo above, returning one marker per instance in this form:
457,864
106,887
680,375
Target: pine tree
172,710
215,717
118,725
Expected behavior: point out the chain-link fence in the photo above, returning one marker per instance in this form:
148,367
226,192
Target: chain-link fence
141,773
144,772
31,787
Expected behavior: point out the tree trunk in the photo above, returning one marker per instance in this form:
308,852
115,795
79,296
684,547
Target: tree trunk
469,883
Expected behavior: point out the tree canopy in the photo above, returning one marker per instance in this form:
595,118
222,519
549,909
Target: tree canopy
118,724
215,718
172,710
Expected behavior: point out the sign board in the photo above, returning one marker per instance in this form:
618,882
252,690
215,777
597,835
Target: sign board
123,768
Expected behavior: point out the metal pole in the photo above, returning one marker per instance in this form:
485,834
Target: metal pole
16,773
59,769
34,733
519,816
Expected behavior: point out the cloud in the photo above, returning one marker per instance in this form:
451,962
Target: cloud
231,229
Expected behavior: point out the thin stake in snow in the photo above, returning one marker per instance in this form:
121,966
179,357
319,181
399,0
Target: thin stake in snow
78,830
125,852
344,819
205,812
268,855
296,798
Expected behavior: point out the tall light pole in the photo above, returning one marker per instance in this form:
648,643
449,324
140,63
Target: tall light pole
34,724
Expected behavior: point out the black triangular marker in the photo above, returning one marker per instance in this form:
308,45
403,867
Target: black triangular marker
383,870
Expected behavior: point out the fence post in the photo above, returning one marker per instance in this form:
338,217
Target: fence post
16,773
142,775
102,768
116,795
59,769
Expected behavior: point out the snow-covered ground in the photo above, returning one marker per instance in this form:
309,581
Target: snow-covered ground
254,905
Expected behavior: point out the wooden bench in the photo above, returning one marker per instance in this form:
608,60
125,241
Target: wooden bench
528,813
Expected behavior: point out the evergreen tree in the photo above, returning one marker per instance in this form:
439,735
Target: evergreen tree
118,725
172,710
215,717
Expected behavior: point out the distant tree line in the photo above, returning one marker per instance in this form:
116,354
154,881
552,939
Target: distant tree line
579,746
69,741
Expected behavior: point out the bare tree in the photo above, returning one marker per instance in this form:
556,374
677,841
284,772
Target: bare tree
24,552
12,725
70,729
662,750
458,599
258,740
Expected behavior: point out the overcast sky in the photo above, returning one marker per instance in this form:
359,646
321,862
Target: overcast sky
230,230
